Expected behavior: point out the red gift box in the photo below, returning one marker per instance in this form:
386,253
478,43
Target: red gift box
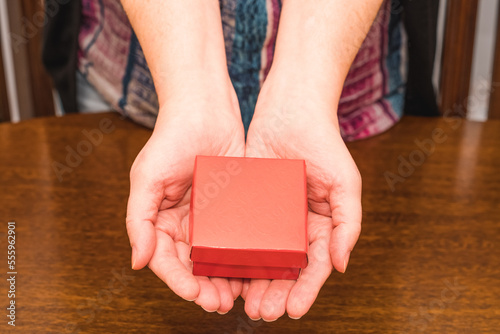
248,217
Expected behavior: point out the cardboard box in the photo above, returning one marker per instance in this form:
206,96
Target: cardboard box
248,217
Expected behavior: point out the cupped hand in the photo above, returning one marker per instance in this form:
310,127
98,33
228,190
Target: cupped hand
203,121
297,124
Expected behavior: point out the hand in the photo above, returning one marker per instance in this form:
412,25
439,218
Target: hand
292,123
202,120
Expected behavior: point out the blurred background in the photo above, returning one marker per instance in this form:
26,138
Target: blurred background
466,74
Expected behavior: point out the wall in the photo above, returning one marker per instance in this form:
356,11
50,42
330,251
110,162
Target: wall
482,63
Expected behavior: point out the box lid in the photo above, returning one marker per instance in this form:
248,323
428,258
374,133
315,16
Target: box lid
249,211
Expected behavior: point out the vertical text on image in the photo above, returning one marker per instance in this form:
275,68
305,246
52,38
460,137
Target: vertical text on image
11,273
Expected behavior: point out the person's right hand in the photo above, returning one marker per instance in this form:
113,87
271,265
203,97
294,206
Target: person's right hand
293,121
202,120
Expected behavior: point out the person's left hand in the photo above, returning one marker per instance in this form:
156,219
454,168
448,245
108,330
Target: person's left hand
201,117
289,123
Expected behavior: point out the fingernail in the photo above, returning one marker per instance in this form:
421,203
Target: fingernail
222,313
207,310
346,261
133,256
255,319
297,318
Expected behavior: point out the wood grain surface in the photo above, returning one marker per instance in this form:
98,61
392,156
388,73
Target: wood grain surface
427,260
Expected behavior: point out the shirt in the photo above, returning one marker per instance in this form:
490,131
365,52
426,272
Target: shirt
111,59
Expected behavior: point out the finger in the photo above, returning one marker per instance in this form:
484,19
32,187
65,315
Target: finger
142,210
311,279
166,265
346,217
225,293
208,298
236,286
344,237
254,295
273,302
184,254
244,288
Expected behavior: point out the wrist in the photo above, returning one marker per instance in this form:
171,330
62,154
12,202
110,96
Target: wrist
200,96
182,42
178,75
298,83
286,93
317,42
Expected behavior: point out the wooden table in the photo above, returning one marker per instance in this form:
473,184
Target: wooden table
427,260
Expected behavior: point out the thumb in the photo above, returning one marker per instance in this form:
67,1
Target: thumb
142,211
345,203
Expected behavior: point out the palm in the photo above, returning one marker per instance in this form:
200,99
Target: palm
330,170
171,262
158,207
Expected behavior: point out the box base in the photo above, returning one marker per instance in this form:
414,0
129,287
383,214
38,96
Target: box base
221,270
